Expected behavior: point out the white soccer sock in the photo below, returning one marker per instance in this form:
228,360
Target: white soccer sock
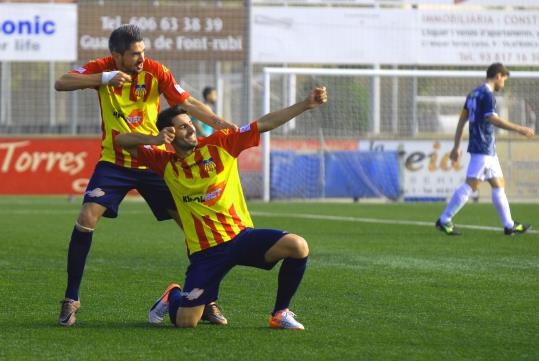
459,199
499,198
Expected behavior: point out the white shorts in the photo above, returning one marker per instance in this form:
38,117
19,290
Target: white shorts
483,167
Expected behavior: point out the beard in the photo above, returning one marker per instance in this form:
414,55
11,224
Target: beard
187,144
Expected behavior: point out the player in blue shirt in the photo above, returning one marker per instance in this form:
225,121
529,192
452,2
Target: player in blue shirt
480,111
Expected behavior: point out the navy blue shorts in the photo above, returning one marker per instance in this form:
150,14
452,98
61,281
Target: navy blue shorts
208,268
110,183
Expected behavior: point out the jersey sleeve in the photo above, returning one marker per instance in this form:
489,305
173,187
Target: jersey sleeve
173,92
155,159
95,66
489,104
235,142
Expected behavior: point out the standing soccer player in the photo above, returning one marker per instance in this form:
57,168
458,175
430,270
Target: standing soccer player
203,177
480,110
129,86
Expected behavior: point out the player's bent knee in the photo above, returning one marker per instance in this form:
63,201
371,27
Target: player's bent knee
186,324
89,216
188,317
299,246
86,221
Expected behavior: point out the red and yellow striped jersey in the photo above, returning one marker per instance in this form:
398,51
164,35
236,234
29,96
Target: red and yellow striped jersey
206,185
133,107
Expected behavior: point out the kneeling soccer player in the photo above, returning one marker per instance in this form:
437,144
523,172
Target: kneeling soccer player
202,175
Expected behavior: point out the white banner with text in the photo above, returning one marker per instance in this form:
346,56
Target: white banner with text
308,35
38,32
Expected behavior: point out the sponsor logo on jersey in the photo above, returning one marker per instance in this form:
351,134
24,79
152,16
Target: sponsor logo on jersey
213,195
245,128
135,118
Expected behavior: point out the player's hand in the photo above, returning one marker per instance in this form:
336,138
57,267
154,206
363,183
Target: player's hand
166,135
527,132
119,79
454,155
317,97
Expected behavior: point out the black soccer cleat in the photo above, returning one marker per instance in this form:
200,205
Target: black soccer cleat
448,228
518,228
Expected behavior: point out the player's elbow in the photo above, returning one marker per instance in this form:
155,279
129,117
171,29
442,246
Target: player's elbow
59,85
121,140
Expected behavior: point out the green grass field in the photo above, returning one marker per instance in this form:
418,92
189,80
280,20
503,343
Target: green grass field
373,290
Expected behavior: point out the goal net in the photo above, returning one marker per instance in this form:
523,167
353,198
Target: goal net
387,133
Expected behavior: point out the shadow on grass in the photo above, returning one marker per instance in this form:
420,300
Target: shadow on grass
119,325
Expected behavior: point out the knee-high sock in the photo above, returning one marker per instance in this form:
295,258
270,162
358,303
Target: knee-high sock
459,199
499,198
76,259
290,276
174,298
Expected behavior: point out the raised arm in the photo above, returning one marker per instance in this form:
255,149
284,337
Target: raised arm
204,113
75,81
130,141
507,125
277,118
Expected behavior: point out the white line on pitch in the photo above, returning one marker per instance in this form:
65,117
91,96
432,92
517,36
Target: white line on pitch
278,215
370,220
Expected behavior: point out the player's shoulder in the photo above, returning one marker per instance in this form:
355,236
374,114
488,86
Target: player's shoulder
156,151
106,62
216,138
154,67
96,65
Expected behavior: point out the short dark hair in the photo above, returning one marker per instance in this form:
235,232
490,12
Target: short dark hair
496,68
164,119
121,38
207,90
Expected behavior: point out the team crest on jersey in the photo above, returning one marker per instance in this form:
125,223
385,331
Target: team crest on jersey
140,90
209,165
135,118
225,131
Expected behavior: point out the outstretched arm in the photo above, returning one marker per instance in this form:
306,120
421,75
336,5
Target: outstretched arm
507,125
277,118
130,141
74,81
455,152
204,113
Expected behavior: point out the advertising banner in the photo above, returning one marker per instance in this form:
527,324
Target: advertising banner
47,165
188,32
38,32
403,2
394,36
427,172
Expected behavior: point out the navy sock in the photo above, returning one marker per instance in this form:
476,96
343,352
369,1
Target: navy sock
290,276
76,259
174,298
